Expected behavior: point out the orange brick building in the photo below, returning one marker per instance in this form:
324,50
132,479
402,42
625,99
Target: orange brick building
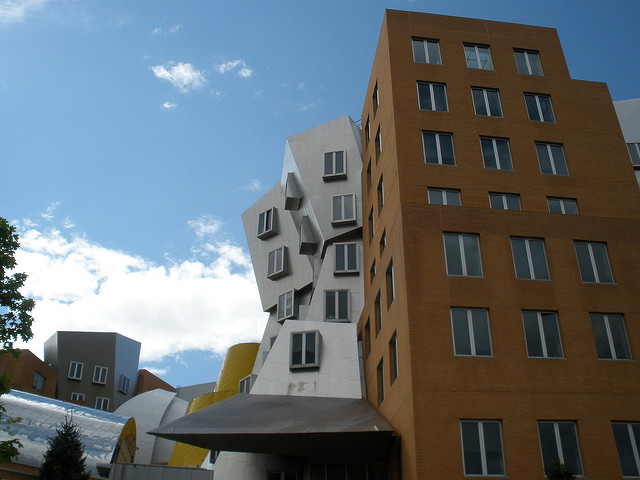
29,374
502,316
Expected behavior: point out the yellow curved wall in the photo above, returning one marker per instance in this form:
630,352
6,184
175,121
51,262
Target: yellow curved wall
237,364
126,446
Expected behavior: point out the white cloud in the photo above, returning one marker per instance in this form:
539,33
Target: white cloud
209,302
175,29
160,31
18,10
182,76
48,213
308,106
254,185
156,31
232,65
302,87
169,105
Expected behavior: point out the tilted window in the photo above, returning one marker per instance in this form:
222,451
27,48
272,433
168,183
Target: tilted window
634,153
266,223
100,375
551,159
471,335
125,382
305,349
393,357
102,403
438,148
542,334
38,382
495,153
528,62
286,305
593,262
77,397
539,107
277,266
344,208
558,441
504,201
529,258
478,56
432,96
486,102
426,50
564,206
75,370
336,305
627,437
462,252
444,196
610,336
482,447
335,164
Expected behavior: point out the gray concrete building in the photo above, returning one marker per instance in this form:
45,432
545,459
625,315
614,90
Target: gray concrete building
628,112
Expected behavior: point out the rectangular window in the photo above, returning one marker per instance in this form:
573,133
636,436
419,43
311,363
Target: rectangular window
383,240
529,258
438,148
367,338
528,62
371,225
558,441
462,252
367,132
495,153
335,164
277,266
627,437
38,382
443,196
378,142
393,357
125,382
380,195
336,305
432,96
285,305
100,375
486,102
634,153
102,403
244,386
471,334
75,370
377,314
266,223
344,208
380,381
504,201
426,51
542,334
551,159
77,397
610,336
305,349
593,262
564,206
369,178
539,107
482,447
375,99
346,258
391,289
372,272
478,56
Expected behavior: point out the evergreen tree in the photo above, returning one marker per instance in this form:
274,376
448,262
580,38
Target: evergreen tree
64,459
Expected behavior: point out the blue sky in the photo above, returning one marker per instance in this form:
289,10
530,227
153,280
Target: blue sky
134,134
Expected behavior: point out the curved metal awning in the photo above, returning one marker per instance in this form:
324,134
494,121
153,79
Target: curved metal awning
318,427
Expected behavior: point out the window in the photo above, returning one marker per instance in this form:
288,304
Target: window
77,397
244,386
344,208
539,107
383,240
482,447
124,384
335,165
391,289
75,370
369,179
471,331
378,142
504,201
528,62
462,252
100,375
542,334
375,99
305,349
426,51
380,195
551,159
564,206
593,262
371,225
367,339
38,382
372,272
634,153
478,56
496,154
285,305
438,148
380,382
336,305
627,436
266,223
102,403
432,96
377,314
558,440
346,258
529,258
610,336
367,131
277,266
486,102
393,357
442,196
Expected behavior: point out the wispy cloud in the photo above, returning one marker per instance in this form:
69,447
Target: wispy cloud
48,213
18,10
161,31
254,185
308,106
238,66
169,105
182,76
208,302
